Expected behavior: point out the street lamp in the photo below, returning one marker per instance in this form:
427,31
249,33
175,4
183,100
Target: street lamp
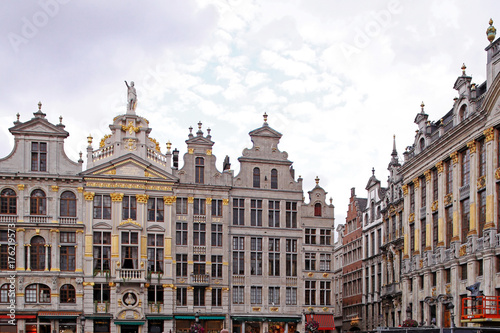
197,317
82,322
408,312
451,307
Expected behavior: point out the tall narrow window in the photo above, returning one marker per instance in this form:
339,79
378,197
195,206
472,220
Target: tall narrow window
130,249
411,190
68,204
216,235
274,296
102,207
274,179
217,207
39,156
310,261
434,230
5,295
199,206
239,295
216,296
291,214
274,214
423,235
155,253
7,261
181,233
325,261
199,234
156,209
449,177
325,237
310,236
199,296
8,202
199,170
291,257
256,213
38,203
465,210
434,185
217,266
67,251
256,256
238,211
67,294
274,257
423,192
102,292
37,254
325,293
317,209
465,167
310,292
181,296
239,255
412,239
255,295
181,264
181,206
291,296
129,208
199,264
102,251
155,294
256,177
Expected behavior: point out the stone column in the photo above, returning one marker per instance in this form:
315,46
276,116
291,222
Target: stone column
440,204
47,246
80,241
490,177
169,214
116,216
456,198
473,188
56,249
28,257
418,224
428,211
88,207
405,223
20,261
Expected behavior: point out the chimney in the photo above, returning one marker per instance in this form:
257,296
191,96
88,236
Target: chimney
176,159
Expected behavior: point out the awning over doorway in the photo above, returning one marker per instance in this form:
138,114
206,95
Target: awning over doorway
130,322
325,321
58,314
18,316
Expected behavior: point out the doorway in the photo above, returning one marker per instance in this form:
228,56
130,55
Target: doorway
129,329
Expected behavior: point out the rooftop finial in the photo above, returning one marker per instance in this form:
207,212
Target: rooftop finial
39,106
422,106
373,171
208,133
463,69
60,120
199,125
317,180
190,129
89,140
169,146
491,32
18,115
265,118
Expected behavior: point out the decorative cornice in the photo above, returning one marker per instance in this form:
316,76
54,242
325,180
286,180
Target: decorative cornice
427,175
168,200
454,157
472,146
416,182
142,198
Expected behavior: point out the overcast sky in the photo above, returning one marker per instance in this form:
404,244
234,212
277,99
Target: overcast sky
337,78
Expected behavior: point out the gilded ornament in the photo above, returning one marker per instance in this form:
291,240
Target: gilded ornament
481,182
489,134
405,189
116,197
54,188
130,144
497,174
463,250
274,309
416,182
208,201
130,128
103,140
20,187
79,189
434,206
310,274
142,198
256,309
411,218
89,196
209,152
325,275
190,151
448,199
168,200
440,167
190,200
491,32
472,146
225,202
427,175
157,144
454,157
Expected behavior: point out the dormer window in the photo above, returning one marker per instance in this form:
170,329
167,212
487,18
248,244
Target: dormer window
317,209
39,156
199,177
462,114
422,144
256,177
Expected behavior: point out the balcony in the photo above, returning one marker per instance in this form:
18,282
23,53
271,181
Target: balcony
390,289
102,153
155,307
38,219
130,275
67,220
200,279
199,218
101,307
8,218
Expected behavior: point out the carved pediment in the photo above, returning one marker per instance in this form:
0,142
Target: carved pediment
155,228
102,225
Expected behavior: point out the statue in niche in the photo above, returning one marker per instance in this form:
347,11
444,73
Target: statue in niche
131,96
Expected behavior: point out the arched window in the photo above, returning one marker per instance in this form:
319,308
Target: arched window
256,177
317,209
68,294
68,204
274,179
37,253
37,293
38,203
8,201
199,176
4,293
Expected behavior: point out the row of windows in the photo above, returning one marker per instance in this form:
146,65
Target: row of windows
325,236
39,293
38,203
238,295
325,260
